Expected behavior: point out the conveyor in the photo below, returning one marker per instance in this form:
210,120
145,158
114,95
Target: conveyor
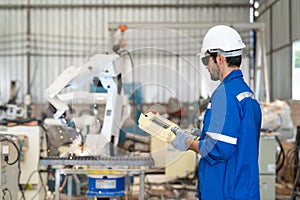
98,160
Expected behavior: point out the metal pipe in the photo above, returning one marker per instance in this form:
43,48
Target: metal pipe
186,25
265,67
271,50
70,181
291,46
57,182
142,185
28,46
175,5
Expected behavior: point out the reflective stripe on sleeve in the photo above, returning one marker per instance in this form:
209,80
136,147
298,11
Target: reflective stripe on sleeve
244,95
223,138
208,106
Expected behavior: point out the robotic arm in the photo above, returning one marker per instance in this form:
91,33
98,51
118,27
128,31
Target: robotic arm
100,66
51,93
103,67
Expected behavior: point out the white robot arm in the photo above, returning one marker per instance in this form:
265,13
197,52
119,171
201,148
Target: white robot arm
75,77
51,93
103,67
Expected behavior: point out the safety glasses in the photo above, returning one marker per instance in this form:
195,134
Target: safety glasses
205,60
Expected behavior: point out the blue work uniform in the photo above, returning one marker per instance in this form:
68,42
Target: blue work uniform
229,143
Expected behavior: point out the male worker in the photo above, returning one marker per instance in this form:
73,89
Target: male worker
229,142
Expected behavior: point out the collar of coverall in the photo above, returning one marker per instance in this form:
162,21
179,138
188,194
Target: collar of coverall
234,74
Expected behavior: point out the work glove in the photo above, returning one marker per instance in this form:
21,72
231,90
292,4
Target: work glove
196,132
179,142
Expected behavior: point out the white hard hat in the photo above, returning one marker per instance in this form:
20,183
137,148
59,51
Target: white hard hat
223,39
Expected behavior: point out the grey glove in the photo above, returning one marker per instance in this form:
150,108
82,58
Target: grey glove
179,141
196,132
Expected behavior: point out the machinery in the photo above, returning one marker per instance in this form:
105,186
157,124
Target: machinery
21,175
276,125
100,69
10,159
98,148
11,111
267,166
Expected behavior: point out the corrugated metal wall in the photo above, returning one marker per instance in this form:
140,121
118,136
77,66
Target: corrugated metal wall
295,5
38,41
282,21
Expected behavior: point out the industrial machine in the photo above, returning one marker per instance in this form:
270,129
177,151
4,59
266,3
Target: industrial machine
10,159
21,175
98,148
100,69
276,125
267,166
11,111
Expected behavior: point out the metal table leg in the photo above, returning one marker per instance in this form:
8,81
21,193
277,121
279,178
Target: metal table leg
57,182
70,180
142,185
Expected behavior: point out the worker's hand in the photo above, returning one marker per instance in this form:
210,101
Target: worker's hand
179,141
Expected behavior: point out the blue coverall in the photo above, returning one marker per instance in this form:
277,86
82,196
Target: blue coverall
229,143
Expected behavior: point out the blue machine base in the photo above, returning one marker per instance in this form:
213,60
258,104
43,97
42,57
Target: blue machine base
106,187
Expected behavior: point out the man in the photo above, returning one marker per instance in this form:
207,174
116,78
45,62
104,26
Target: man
229,142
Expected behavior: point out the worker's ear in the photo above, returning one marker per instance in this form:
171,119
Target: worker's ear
219,58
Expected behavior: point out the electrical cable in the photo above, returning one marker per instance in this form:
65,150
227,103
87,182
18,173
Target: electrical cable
42,137
9,192
281,157
42,187
27,182
5,139
11,122
38,170
64,183
19,161
48,144
296,166
18,156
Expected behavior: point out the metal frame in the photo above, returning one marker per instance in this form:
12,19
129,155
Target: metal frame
124,5
185,25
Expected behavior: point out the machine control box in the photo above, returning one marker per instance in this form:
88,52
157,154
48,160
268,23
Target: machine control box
156,125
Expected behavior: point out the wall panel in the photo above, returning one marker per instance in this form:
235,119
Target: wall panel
281,85
280,24
281,18
68,34
295,6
